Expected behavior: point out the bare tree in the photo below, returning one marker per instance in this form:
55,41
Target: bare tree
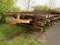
51,3
27,4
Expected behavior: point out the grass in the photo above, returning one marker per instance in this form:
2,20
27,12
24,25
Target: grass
23,39
8,29
46,28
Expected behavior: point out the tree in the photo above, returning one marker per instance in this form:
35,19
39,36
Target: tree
15,9
27,4
57,9
42,8
5,6
51,4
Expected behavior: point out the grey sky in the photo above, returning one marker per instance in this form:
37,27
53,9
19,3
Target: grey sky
56,3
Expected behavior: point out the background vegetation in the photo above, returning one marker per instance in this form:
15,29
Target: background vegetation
42,8
9,29
7,6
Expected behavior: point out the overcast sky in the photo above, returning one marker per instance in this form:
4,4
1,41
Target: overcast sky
56,3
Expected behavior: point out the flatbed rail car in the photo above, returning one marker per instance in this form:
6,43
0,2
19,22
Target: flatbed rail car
33,20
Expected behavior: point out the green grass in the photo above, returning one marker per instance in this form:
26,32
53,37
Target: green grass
23,39
46,28
8,29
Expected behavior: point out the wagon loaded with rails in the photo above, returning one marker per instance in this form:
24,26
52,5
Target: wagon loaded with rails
34,19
